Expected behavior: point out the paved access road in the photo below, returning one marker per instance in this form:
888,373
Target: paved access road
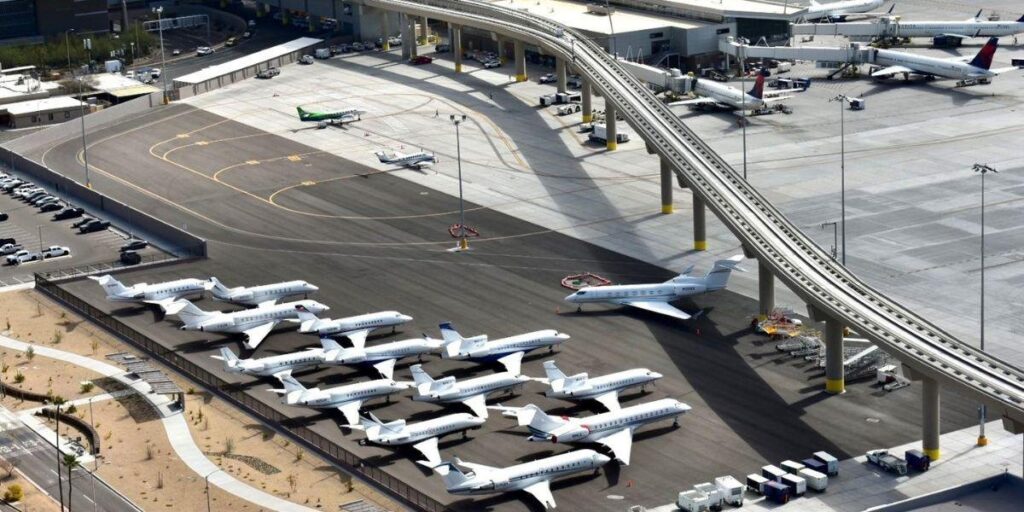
275,210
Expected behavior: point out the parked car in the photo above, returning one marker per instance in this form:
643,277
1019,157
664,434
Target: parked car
547,78
231,41
176,51
421,59
81,222
55,251
10,185
268,73
395,41
43,199
68,213
306,59
247,34
442,48
3,216
131,258
23,256
492,64
10,248
134,245
94,226
357,47
6,241
204,50
51,207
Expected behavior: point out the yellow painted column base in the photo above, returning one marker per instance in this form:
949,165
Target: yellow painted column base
458,68
386,46
520,78
982,441
700,245
464,244
666,208
612,145
761,317
835,386
932,454
588,118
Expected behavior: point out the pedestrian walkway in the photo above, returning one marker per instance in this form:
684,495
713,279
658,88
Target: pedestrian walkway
174,423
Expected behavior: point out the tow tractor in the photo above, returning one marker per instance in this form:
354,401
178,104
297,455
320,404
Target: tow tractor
973,81
887,461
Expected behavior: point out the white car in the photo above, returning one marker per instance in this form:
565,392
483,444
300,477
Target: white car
204,50
154,72
54,251
306,59
175,52
22,256
9,248
547,79
492,64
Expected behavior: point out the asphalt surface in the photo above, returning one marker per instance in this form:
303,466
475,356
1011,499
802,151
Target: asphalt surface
36,459
372,241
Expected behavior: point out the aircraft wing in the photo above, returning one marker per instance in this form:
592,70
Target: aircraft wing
542,491
428,448
694,101
661,308
609,400
351,412
386,368
267,303
257,334
478,404
169,305
513,362
620,443
358,338
892,70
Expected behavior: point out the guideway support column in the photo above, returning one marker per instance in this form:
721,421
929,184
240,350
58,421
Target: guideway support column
520,55
407,43
835,379
609,125
457,47
384,30
765,290
930,405
560,74
413,51
666,186
700,241
588,109
424,29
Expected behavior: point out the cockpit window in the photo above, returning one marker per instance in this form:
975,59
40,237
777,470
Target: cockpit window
581,293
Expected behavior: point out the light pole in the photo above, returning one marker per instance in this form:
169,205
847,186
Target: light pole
207,479
982,169
842,99
81,106
743,98
85,149
163,59
463,241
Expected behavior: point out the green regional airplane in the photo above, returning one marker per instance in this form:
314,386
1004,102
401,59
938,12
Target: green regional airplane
330,116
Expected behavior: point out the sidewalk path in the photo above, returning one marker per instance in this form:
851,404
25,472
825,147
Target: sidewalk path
175,425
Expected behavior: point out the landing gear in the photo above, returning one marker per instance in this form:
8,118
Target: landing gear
551,349
465,434
579,309
675,422
393,329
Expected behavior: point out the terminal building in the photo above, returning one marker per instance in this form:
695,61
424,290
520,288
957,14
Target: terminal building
31,21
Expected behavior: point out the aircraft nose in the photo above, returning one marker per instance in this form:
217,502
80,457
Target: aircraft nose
655,375
570,297
562,336
312,288
405,318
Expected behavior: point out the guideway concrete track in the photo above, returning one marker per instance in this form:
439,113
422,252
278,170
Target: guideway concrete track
832,292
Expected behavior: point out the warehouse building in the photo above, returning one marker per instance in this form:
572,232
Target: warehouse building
24,114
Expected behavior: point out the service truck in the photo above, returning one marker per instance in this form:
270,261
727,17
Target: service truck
831,463
791,467
715,497
797,486
731,489
693,501
815,479
559,98
887,461
600,134
756,483
772,472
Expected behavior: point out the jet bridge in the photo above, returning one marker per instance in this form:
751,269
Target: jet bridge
853,53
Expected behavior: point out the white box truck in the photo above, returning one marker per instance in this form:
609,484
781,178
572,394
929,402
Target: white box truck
791,467
797,486
815,479
731,489
715,498
600,134
772,472
830,462
693,501
756,483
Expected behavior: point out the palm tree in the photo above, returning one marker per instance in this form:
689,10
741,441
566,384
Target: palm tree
71,461
57,402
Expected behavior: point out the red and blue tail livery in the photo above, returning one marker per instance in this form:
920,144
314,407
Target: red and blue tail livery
984,57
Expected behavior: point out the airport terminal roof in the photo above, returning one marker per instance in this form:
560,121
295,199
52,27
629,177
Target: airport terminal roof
40,105
576,15
247,61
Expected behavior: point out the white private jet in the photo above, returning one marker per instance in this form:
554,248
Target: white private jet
965,69
656,297
255,323
613,429
164,295
423,436
841,9
533,477
263,295
355,328
604,389
712,93
348,398
267,366
416,160
477,348
472,392
381,356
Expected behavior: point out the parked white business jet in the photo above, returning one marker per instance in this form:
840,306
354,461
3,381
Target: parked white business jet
255,323
383,356
266,366
712,93
965,69
533,477
160,294
656,297
355,328
478,348
263,295
604,389
613,429
348,398
841,9
416,160
472,392
423,436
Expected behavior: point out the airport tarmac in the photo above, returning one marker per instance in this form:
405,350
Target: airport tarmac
374,241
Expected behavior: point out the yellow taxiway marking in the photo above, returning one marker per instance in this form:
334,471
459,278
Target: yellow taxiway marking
202,143
294,158
308,183
252,162
182,136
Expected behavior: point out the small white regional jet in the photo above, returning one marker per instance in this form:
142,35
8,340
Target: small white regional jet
416,160
976,70
423,436
477,348
383,356
472,392
355,328
839,10
348,398
263,295
613,429
161,294
255,323
972,27
656,297
533,477
266,366
604,389
712,93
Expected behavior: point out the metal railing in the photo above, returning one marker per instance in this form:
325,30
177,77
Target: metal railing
253,406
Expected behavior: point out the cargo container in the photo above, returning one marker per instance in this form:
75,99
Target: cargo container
791,467
772,472
816,465
715,498
731,489
776,492
797,486
815,479
916,459
831,463
693,501
600,134
756,483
